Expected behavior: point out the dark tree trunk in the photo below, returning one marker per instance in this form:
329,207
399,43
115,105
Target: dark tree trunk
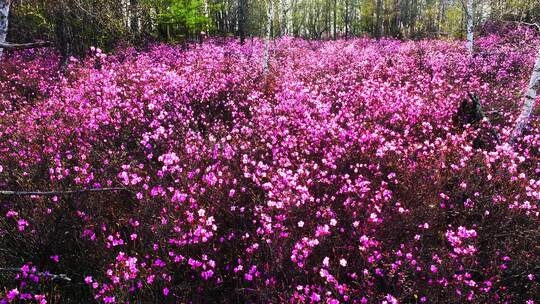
242,10
378,19
134,16
64,34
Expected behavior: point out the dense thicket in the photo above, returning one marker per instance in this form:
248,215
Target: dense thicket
350,171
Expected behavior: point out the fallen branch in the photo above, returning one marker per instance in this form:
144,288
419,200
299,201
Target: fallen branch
49,193
530,24
16,46
41,274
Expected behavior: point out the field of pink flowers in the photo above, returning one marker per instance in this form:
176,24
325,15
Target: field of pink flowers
343,175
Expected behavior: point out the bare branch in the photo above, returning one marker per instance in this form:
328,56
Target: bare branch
531,24
535,25
49,193
12,46
41,274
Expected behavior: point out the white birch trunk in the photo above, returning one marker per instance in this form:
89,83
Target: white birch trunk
470,26
530,98
126,13
4,22
270,15
284,20
207,16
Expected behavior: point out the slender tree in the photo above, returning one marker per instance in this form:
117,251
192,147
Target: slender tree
283,18
378,19
207,16
134,16
335,19
346,19
269,17
4,22
470,26
242,11
529,102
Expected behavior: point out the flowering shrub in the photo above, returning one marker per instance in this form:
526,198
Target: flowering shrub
339,176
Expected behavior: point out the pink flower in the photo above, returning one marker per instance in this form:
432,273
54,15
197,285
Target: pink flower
326,261
11,213
391,299
22,224
12,294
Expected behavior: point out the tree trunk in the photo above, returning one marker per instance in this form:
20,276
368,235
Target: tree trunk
64,34
242,8
269,17
207,16
378,19
347,19
4,22
134,18
335,19
284,19
442,15
530,98
470,26
393,27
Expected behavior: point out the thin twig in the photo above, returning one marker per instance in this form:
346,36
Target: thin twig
49,193
41,274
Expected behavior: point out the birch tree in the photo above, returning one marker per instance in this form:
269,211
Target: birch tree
470,26
207,16
4,22
529,102
4,26
269,17
335,19
283,18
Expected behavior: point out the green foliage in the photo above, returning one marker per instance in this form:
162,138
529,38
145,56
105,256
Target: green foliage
28,23
75,25
455,21
183,17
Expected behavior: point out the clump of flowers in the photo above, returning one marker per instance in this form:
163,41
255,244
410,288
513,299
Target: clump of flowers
340,176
